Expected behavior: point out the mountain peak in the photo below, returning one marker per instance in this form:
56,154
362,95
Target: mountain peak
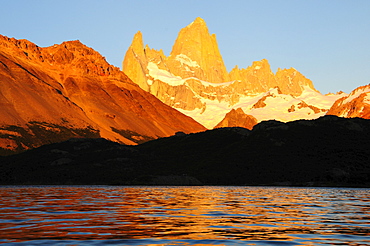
135,60
73,43
237,118
194,79
262,64
198,21
137,41
198,45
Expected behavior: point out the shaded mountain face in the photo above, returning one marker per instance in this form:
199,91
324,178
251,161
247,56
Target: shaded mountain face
194,80
356,104
69,90
328,151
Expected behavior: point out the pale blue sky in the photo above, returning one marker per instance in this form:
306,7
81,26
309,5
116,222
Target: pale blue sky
328,41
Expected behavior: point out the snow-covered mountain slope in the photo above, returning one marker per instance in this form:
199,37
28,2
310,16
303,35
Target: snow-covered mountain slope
356,104
193,79
217,99
267,106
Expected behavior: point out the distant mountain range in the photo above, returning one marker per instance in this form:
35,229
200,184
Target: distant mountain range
194,80
64,91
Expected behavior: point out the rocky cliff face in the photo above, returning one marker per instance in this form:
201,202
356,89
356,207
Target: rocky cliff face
194,80
136,62
196,54
259,78
69,90
237,118
356,104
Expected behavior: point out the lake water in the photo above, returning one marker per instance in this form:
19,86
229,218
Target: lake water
122,215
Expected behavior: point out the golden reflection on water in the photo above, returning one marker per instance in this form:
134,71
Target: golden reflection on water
246,214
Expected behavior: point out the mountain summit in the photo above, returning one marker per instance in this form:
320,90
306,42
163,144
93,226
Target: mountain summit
194,80
196,54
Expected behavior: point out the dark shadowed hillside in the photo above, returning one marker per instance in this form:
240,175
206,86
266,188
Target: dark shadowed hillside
329,151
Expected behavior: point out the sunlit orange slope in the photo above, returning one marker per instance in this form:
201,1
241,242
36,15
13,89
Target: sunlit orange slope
356,104
71,86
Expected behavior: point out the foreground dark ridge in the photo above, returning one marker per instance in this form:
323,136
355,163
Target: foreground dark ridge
329,151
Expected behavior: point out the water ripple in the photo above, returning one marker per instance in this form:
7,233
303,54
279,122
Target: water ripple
105,215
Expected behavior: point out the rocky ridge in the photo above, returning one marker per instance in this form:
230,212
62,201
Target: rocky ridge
194,79
69,90
356,104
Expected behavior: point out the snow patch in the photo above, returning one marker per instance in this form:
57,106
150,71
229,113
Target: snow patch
277,106
356,93
163,75
215,110
317,99
367,98
362,109
185,60
159,74
205,83
344,113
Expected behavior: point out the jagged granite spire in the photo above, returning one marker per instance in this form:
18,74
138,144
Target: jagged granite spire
195,44
135,62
